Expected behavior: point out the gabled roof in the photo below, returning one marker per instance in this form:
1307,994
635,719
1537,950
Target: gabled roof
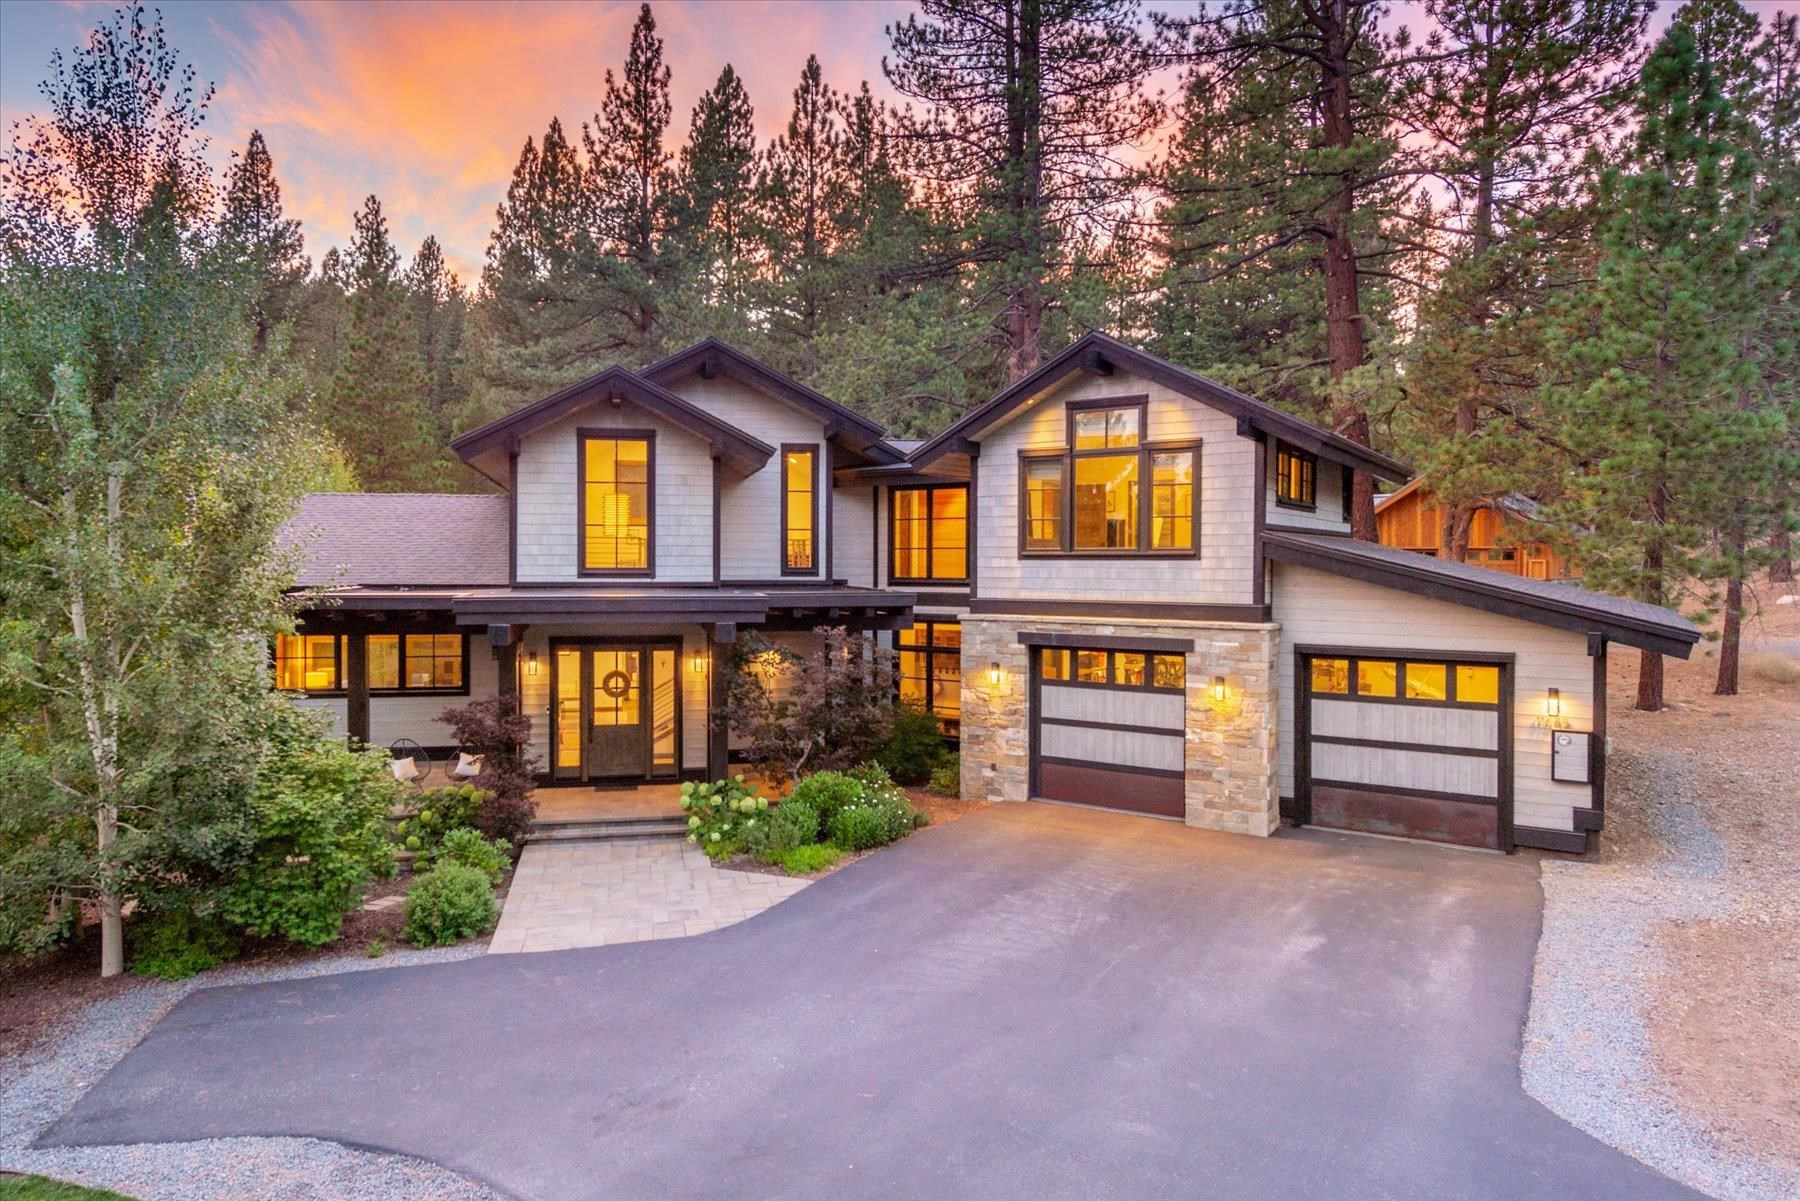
1517,504
1098,353
400,539
710,357
479,448
1562,606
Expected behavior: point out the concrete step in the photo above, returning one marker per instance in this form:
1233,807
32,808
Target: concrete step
603,831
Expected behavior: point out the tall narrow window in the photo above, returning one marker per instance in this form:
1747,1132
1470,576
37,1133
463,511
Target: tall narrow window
1295,470
1172,500
615,496
799,509
931,534
308,662
1043,504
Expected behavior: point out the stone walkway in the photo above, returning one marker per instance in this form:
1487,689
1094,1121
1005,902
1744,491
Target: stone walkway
591,894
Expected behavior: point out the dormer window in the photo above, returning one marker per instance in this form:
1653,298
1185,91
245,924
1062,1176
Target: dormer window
1296,474
799,510
616,517
1112,493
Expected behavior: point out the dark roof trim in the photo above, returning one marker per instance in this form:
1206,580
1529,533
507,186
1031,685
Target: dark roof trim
1559,606
710,355
610,605
744,451
896,474
1097,353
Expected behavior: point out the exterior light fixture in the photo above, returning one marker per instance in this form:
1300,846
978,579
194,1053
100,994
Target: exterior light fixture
1218,688
994,673
699,664
1553,702
531,663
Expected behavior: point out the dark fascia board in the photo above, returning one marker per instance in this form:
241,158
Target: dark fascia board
1339,557
852,430
744,451
1098,350
897,475
616,605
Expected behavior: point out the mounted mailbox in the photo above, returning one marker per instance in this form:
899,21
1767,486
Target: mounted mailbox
1569,756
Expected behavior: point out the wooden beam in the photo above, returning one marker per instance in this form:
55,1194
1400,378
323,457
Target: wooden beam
356,687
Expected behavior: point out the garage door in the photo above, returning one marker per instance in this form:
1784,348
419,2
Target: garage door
1392,744
1107,728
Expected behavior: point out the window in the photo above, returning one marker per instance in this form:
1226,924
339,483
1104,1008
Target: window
309,662
1377,678
931,671
930,534
1331,675
1295,472
1111,493
799,509
1420,683
615,503
1113,669
1427,682
1346,491
1476,685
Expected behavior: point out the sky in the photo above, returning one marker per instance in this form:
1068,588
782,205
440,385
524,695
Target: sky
427,103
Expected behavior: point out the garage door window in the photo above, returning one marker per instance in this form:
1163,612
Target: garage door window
1478,685
1464,684
1113,669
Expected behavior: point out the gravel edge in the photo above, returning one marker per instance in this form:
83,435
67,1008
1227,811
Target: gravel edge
1586,1053
38,1088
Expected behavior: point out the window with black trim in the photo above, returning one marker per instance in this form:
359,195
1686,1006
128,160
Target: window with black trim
311,663
616,493
1152,671
417,662
799,510
1296,473
1403,681
929,534
1111,494
931,671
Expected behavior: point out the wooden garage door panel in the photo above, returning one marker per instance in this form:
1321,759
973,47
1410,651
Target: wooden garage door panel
1435,819
1129,707
1386,767
1426,724
1089,784
1126,748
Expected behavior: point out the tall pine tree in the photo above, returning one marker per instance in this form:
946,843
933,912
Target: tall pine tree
259,243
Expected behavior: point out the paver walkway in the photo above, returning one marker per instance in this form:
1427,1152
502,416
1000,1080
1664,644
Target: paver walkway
591,894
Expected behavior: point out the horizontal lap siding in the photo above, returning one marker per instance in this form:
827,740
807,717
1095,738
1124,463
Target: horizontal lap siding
534,691
1226,495
1319,609
853,534
750,532
550,483
335,709
392,718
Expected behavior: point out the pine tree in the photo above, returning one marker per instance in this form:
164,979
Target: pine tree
258,242
437,309
800,189
627,157
715,205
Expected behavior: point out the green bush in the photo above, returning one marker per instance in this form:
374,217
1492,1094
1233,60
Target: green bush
946,777
471,848
870,823
317,820
787,827
721,814
436,814
804,860
449,903
179,944
825,792
915,747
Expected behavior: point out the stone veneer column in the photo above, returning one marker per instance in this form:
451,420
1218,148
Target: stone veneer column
1231,744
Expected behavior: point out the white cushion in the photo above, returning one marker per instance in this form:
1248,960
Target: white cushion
467,765
405,769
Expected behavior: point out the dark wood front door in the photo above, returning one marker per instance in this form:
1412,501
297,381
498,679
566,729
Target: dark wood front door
618,739
615,710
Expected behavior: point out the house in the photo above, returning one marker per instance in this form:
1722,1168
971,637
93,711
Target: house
1120,583
1501,536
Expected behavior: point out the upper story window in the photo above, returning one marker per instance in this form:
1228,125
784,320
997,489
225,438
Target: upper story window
309,662
417,662
799,510
930,534
1111,492
1296,474
616,516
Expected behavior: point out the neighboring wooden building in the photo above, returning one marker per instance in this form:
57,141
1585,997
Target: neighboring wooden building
1500,537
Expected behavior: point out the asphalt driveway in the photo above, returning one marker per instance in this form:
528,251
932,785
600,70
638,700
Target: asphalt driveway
1033,1002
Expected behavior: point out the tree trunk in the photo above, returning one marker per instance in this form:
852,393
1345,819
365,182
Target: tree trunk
1781,570
1459,525
1650,681
1650,665
1731,636
1024,325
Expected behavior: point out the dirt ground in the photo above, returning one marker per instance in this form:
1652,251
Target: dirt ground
1725,1033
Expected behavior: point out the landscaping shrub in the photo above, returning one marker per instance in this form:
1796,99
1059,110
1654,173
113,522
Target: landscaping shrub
915,747
784,828
946,777
825,792
720,814
317,833
449,903
827,708
498,730
870,824
179,944
472,848
804,860
436,814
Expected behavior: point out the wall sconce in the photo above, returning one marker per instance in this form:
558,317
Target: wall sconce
699,664
1218,689
1553,702
994,674
531,663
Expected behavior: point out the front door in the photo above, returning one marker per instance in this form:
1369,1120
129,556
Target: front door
615,712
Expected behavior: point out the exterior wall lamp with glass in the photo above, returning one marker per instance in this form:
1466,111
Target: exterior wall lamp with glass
1218,688
531,663
1553,702
993,673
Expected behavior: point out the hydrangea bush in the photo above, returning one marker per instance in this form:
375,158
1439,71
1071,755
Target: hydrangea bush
721,814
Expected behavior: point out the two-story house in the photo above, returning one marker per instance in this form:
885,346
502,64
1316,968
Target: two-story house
1119,583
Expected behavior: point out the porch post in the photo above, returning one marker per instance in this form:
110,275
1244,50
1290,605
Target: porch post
505,641
356,687
718,734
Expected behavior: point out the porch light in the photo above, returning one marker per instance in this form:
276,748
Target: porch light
699,664
994,674
1218,688
1553,702
531,663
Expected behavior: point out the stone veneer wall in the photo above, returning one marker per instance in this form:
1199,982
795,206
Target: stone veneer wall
1231,744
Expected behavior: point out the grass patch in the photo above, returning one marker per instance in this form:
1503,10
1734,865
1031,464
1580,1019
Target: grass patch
805,860
1772,667
41,1188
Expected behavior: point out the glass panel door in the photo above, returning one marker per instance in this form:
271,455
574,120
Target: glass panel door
665,704
566,712
616,741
